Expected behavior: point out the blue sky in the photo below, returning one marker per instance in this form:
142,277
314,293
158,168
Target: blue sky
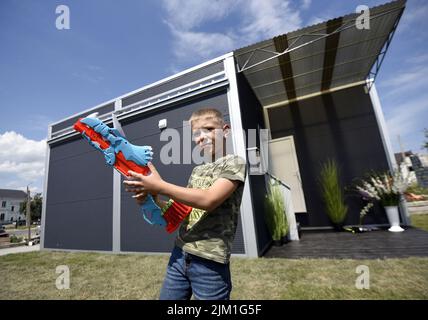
114,47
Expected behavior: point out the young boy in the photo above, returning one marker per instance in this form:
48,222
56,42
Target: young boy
199,262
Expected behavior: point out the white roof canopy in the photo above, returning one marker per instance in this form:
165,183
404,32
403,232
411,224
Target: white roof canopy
319,57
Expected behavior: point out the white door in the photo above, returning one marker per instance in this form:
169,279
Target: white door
283,164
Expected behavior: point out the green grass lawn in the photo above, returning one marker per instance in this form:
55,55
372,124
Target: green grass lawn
420,221
107,276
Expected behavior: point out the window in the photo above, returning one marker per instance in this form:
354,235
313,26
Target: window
11,218
3,204
13,208
2,217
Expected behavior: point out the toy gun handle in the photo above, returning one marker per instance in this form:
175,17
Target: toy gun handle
174,213
151,212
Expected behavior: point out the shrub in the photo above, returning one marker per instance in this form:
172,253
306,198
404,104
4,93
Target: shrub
15,239
275,213
332,192
417,189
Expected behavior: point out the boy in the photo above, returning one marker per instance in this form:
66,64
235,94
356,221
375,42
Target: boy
199,262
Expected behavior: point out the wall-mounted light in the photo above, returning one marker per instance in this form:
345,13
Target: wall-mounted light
162,124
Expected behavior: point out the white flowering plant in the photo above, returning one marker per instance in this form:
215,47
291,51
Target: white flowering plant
385,188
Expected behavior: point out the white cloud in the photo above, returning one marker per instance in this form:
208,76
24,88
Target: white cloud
188,14
22,161
405,82
306,4
316,20
318,16
407,119
417,59
201,44
265,19
405,101
410,77
413,14
408,116
257,20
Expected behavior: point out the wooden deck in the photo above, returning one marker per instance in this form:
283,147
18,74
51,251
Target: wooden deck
346,245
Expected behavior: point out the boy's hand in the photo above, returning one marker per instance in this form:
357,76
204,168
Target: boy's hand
140,197
149,184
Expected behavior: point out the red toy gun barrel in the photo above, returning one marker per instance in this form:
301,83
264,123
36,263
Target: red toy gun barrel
121,164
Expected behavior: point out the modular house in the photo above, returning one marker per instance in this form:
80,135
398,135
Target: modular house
312,90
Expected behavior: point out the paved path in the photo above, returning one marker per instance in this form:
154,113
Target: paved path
20,249
21,233
418,210
344,245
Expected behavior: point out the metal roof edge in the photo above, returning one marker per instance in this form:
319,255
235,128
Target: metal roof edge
400,4
153,84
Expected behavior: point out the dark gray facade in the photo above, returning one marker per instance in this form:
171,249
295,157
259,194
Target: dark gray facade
87,208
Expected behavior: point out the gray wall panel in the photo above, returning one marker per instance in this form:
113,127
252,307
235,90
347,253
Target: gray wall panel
82,225
67,123
79,198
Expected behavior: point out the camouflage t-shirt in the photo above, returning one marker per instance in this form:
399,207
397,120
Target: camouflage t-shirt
210,234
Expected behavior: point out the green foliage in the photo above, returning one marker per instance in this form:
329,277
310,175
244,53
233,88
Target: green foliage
332,193
420,221
15,239
417,189
390,199
35,207
275,214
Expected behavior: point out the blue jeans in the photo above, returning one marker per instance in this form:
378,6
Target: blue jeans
188,274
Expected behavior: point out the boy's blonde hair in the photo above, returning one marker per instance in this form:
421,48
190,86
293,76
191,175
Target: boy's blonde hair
207,113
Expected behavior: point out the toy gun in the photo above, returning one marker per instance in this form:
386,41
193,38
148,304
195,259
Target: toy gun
124,156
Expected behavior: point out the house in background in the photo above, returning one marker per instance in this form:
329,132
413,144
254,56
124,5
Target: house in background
404,161
420,166
312,90
10,201
415,166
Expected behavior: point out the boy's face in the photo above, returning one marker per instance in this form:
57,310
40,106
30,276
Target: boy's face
209,134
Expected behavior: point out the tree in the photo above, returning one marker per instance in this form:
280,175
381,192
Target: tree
35,206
